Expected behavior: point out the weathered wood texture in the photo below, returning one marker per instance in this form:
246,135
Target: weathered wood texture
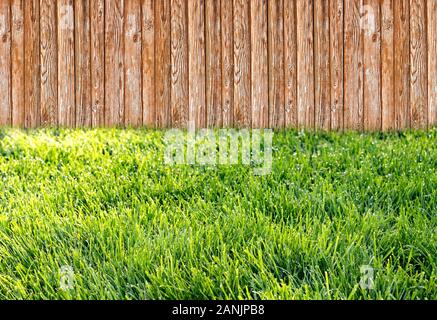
313,64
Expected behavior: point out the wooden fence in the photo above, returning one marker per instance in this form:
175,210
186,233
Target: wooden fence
330,64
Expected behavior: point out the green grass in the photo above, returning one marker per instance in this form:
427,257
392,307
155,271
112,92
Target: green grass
103,202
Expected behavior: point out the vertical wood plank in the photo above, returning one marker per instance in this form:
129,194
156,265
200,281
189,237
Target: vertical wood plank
353,66
114,63
432,62
418,61
196,44
259,61
5,64
337,62
321,65
290,63
227,46
148,61
242,103
305,63
98,62
370,19
82,39
32,93
66,69
17,52
162,64
213,63
49,64
276,64
402,63
179,63
132,63
387,65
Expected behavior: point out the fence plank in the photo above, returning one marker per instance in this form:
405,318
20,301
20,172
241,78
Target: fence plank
305,63
259,64
432,62
353,66
418,61
227,46
402,63
387,65
179,64
132,63
242,103
162,63
290,63
82,55
49,64
66,63
337,63
98,62
196,39
114,63
276,64
370,24
321,65
148,61
32,79
17,53
213,63
5,64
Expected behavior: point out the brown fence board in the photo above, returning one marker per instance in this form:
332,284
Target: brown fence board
5,63
336,25
49,64
290,63
17,68
98,62
309,64
418,62
132,62
321,65
305,64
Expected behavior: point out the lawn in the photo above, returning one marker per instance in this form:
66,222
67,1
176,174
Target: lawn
97,214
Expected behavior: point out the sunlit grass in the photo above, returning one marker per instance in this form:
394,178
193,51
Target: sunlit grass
103,202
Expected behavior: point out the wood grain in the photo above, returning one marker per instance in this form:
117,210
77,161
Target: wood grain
290,63
66,64
402,64
132,63
227,47
259,64
387,65
148,62
17,53
432,62
98,62
32,86
213,63
322,83
242,103
371,28
162,63
114,63
82,55
5,64
305,64
353,66
276,63
49,64
418,62
179,63
196,44
337,63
